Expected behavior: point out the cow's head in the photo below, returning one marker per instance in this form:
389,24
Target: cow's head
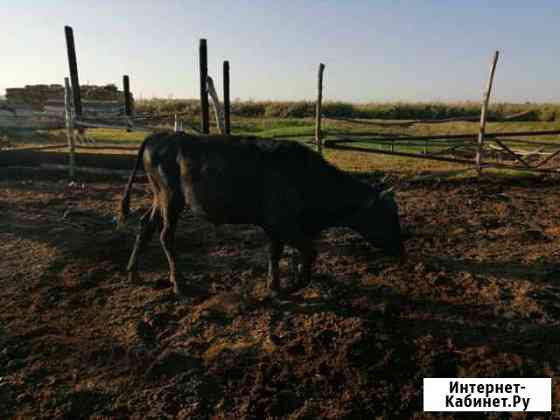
378,222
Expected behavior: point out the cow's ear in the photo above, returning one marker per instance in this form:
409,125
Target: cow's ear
381,184
388,193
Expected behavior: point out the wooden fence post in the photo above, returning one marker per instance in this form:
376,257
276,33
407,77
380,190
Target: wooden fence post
127,101
318,133
127,96
203,58
69,117
216,104
178,124
227,121
72,63
483,112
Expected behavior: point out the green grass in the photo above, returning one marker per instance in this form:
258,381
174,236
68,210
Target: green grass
358,161
393,110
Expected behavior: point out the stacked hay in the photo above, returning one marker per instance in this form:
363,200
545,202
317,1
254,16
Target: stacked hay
34,95
101,93
37,96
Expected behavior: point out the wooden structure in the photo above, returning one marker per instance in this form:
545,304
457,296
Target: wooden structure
216,104
29,121
102,109
467,149
462,148
227,120
205,114
318,133
73,67
127,96
69,114
483,111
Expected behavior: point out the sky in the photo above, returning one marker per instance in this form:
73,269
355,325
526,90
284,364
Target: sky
374,51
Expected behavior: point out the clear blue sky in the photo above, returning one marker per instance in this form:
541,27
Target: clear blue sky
373,50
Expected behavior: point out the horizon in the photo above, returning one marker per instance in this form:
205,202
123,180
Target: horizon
374,53
360,103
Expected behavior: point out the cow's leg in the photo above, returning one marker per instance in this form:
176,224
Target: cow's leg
149,221
308,254
275,248
171,208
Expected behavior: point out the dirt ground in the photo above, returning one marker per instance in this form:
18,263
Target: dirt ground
479,297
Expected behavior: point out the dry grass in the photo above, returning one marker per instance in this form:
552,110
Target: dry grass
298,127
389,110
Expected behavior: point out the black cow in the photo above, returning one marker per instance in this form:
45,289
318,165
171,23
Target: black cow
283,187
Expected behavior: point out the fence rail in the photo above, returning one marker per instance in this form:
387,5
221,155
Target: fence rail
408,123
89,108
31,122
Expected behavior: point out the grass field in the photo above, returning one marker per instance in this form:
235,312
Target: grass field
295,121
392,110
302,129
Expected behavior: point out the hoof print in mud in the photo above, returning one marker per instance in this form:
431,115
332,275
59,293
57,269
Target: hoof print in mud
162,283
171,363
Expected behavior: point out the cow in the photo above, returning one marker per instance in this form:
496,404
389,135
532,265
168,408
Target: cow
288,190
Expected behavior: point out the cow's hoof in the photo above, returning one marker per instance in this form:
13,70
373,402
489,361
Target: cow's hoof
185,290
273,286
180,290
162,283
275,296
274,293
300,285
133,277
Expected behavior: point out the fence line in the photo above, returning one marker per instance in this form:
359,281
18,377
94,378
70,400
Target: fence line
38,148
408,123
440,158
107,115
481,139
450,136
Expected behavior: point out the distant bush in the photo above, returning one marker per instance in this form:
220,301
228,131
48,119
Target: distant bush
396,111
248,109
166,106
290,109
548,113
338,110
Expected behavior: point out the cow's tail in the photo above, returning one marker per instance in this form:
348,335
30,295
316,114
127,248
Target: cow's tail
124,207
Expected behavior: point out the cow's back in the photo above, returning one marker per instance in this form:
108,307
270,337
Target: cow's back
264,182
222,179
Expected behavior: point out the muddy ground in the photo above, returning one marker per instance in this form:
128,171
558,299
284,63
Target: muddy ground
479,296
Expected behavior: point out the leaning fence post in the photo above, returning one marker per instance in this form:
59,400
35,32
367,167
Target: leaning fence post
69,117
73,66
318,133
483,112
216,103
